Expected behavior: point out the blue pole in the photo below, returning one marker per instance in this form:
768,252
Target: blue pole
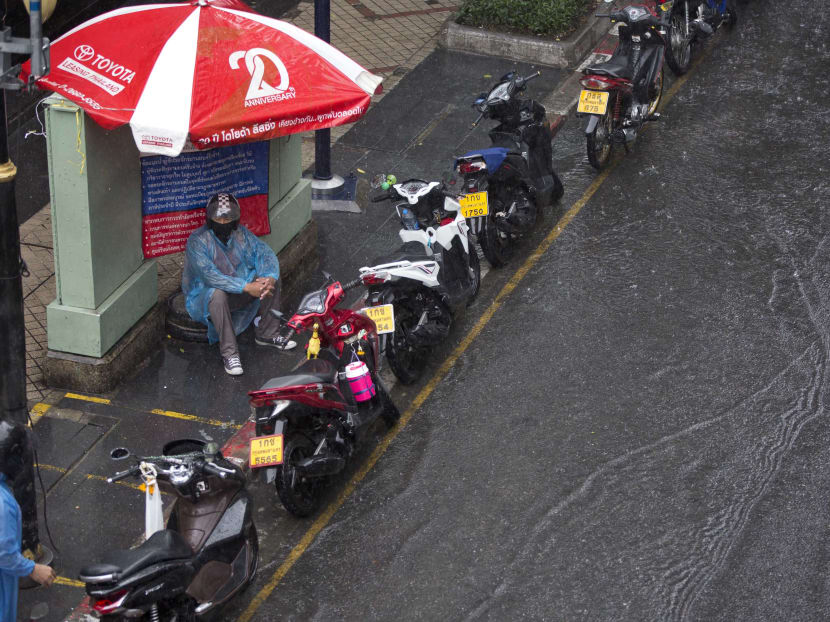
322,138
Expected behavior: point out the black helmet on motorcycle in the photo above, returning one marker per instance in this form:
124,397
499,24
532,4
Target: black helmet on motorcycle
12,446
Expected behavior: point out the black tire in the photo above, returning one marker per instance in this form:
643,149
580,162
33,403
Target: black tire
679,49
390,413
655,93
599,143
475,264
180,325
405,361
496,245
301,497
252,540
731,16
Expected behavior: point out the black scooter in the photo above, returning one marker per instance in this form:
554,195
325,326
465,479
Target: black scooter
207,554
511,181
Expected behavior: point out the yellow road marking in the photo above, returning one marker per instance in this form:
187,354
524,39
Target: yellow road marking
186,417
69,582
156,411
37,411
322,520
88,398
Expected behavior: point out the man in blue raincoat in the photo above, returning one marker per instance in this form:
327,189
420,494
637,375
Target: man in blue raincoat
12,563
230,276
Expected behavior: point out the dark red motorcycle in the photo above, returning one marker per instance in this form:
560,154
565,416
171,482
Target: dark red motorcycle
308,423
623,94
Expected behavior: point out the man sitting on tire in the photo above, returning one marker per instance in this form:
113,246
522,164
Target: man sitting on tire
229,277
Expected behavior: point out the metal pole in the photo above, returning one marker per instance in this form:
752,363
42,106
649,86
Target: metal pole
322,138
13,337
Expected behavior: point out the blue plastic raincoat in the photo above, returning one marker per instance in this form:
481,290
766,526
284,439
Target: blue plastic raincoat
12,563
211,265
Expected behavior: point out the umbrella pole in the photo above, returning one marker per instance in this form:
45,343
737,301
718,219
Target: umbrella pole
323,183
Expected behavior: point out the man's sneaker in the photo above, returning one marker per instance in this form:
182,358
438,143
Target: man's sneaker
280,343
233,365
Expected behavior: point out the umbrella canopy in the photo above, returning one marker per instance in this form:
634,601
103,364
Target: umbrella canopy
211,71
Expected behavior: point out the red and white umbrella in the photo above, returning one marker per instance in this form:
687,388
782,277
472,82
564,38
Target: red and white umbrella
211,71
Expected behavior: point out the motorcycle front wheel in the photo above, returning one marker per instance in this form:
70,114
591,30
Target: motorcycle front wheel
300,495
598,143
655,93
475,266
406,361
679,50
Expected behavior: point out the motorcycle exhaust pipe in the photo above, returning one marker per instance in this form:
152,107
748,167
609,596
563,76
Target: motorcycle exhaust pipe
320,466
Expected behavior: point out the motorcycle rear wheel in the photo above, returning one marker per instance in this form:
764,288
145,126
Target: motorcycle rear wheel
299,496
598,143
679,50
496,245
406,362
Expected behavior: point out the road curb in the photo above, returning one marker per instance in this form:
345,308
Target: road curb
566,53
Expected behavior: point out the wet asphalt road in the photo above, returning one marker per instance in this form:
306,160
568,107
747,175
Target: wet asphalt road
639,432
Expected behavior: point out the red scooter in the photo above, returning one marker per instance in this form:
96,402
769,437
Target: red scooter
308,423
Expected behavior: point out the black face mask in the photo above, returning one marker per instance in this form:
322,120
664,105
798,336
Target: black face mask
223,231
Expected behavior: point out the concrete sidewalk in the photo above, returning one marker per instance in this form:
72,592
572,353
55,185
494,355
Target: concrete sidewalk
388,37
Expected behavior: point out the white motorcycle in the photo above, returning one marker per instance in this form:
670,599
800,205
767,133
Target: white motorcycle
414,292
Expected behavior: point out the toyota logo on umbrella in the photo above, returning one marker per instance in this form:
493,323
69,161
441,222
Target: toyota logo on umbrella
84,52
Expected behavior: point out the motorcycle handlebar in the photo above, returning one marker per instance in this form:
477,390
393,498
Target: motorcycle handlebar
123,474
383,197
352,284
477,121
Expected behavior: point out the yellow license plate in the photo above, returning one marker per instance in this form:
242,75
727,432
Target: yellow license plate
592,102
383,316
266,451
474,205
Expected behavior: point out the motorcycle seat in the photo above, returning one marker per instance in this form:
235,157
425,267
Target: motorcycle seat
614,68
312,371
411,251
162,546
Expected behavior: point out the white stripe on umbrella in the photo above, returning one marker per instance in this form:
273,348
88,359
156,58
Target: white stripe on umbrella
115,13
168,93
345,65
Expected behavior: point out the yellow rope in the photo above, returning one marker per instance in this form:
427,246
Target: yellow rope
78,140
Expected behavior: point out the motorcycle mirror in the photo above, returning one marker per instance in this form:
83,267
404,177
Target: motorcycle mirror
327,276
39,611
278,314
376,181
210,449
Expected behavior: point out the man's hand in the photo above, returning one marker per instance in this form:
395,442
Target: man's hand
268,286
254,289
43,574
